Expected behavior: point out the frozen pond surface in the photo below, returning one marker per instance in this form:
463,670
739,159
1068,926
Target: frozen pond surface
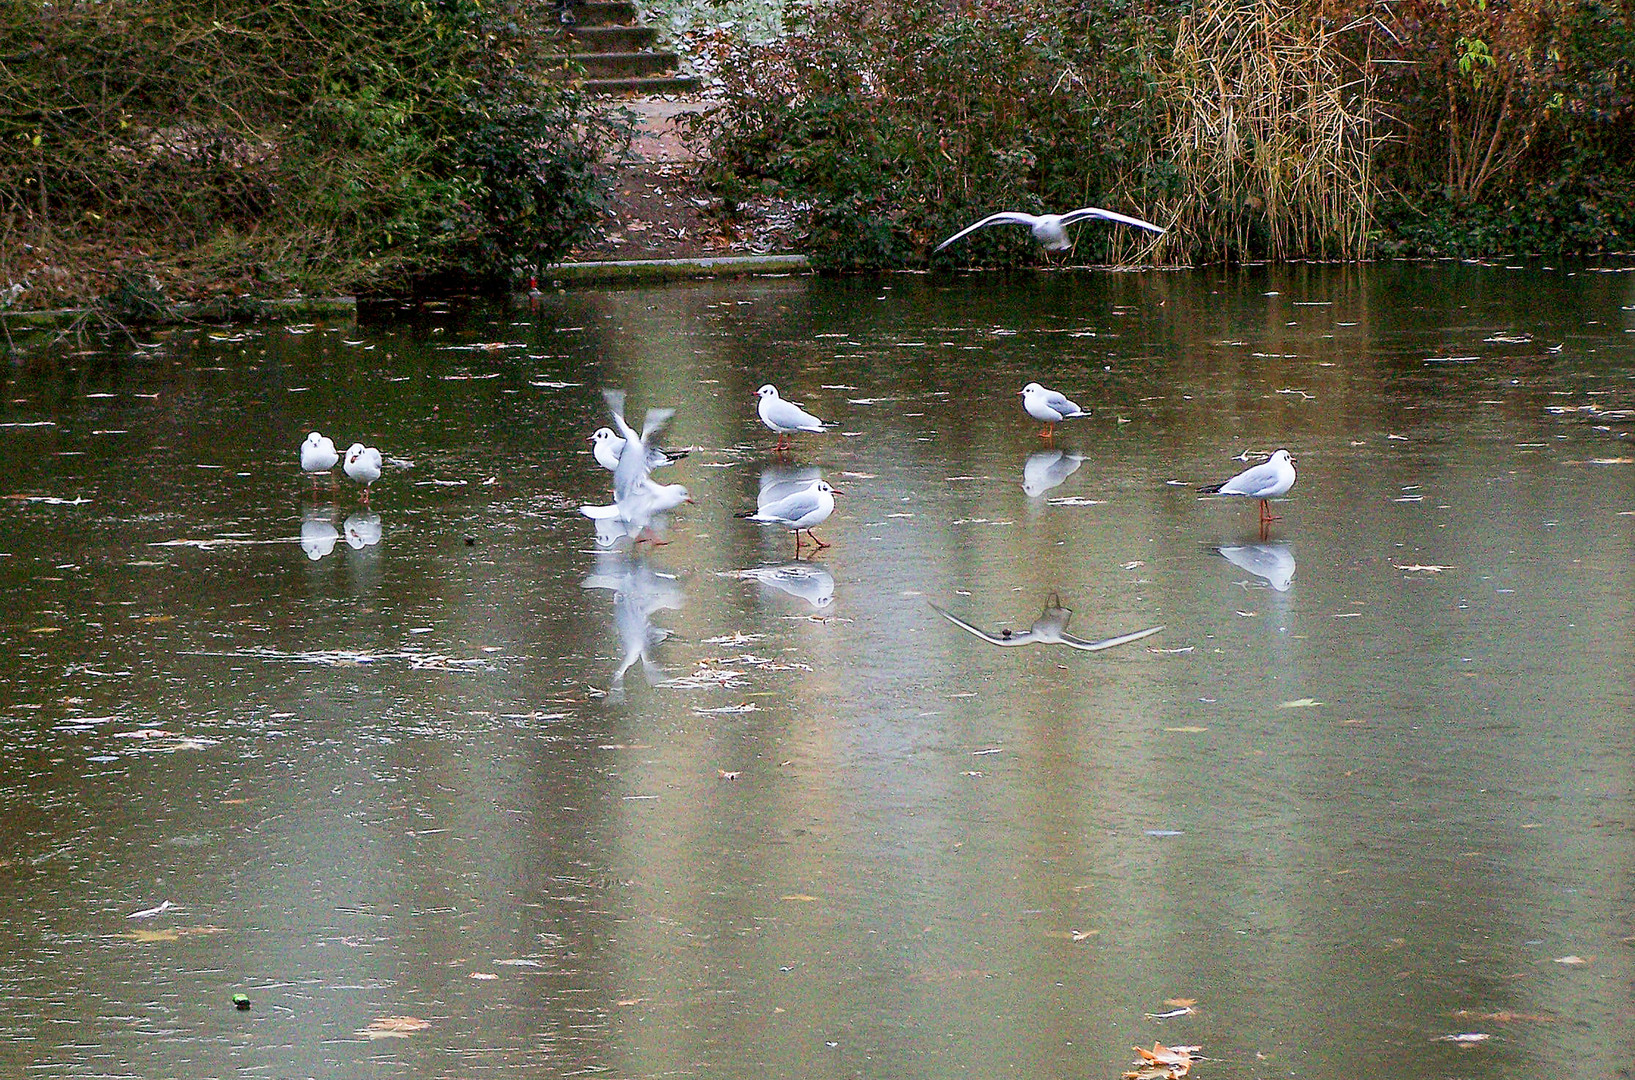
1370,788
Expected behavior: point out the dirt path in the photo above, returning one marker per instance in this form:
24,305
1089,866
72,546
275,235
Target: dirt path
661,212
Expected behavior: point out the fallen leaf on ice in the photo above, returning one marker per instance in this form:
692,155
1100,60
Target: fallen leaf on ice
1572,961
147,937
393,1027
1300,703
799,898
1162,1063
1467,1038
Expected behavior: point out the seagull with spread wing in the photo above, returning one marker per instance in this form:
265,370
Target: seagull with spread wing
1051,229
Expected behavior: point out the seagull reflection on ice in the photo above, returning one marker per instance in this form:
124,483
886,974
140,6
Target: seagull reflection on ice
805,580
781,481
1274,562
638,591
318,532
362,529
1047,469
1050,628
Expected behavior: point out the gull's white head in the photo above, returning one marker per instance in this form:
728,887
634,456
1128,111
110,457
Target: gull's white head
1283,457
669,496
603,435
823,486
1031,388
315,440
767,391
354,452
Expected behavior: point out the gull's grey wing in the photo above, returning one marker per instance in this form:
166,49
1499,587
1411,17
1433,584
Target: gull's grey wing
792,507
1023,637
1061,403
1252,482
1108,643
1004,217
1086,212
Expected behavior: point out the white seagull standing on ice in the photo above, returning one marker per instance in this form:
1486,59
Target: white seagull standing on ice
1048,407
1051,229
799,510
363,465
1268,480
782,416
318,456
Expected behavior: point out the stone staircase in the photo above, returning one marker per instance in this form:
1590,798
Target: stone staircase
617,55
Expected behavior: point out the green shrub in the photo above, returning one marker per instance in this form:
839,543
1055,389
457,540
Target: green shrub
262,145
1514,127
900,122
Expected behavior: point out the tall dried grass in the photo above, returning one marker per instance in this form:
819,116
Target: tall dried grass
1270,130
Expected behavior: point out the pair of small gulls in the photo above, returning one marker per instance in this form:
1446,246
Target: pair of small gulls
637,500
362,464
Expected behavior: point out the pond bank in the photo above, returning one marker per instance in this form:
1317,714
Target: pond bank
242,311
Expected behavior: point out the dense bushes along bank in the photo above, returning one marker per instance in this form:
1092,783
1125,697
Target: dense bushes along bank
1256,128
154,149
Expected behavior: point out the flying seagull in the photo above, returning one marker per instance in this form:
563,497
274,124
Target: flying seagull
1051,229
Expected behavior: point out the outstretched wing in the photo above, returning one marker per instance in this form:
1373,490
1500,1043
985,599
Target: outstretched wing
615,404
1108,643
1085,213
1004,217
654,420
1023,637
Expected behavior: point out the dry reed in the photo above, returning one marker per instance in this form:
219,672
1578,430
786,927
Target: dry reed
1270,128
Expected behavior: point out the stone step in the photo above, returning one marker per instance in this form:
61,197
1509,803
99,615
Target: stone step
604,13
622,65
608,39
674,84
